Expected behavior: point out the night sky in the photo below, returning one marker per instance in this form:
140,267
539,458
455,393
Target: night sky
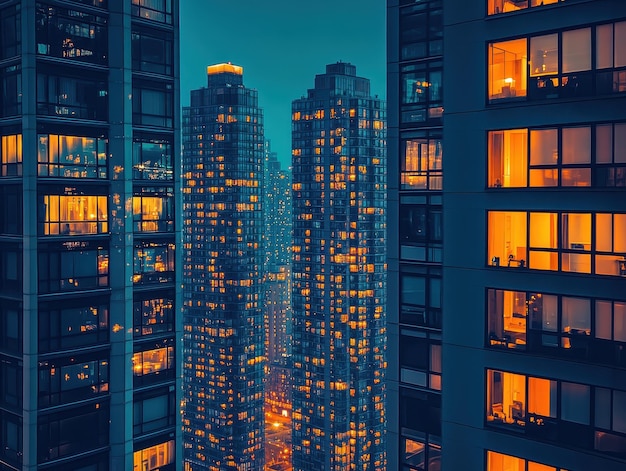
282,45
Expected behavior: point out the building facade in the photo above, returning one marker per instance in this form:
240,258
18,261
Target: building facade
534,266
339,333
415,235
89,241
223,275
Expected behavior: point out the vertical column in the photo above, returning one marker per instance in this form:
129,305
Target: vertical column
121,247
30,209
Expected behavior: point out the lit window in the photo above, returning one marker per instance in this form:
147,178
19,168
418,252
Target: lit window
154,457
11,156
507,69
72,215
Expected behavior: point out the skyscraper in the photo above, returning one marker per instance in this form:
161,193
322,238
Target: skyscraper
277,310
534,223
88,235
415,235
223,275
339,337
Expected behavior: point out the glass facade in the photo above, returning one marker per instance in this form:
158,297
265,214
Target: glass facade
73,215
339,274
224,354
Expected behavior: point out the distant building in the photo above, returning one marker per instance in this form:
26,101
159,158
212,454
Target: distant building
88,236
339,336
415,233
224,337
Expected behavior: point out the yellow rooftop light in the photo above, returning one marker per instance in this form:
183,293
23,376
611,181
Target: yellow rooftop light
222,68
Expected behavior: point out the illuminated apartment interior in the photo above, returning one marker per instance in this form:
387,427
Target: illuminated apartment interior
89,243
535,258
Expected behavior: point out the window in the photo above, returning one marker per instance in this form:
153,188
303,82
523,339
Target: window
558,241
10,32
420,359
72,431
154,365
11,209
11,156
507,69
11,447
74,324
71,34
502,462
11,273
152,159
11,329
421,452
73,266
153,263
153,10
421,93
561,156
68,380
72,97
507,318
421,31
75,215
11,86
153,104
11,377
420,411
152,53
72,156
153,410
153,316
154,457
572,414
153,213
562,64
420,297
422,164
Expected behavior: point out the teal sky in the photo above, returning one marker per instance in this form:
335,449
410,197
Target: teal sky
282,45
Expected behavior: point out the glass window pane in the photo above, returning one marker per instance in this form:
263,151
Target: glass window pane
619,144
543,147
603,320
620,45
543,230
576,230
576,50
544,55
604,232
502,462
549,313
576,143
507,238
542,397
619,411
619,322
604,46
576,316
575,400
507,69
602,415
508,158
532,466
604,144
619,233
413,290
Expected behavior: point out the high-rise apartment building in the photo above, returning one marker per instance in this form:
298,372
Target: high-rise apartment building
339,336
223,157
88,236
415,233
535,235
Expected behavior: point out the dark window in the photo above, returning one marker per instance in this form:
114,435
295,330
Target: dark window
152,53
65,380
154,410
152,158
11,438
73,266
153,104
73,324
420,359
421,30
11,209
153,263
11,98
153,10
420,297
72,97
153,315
71,34
72,431
420,411
11,383
10,268
10,32
11,326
